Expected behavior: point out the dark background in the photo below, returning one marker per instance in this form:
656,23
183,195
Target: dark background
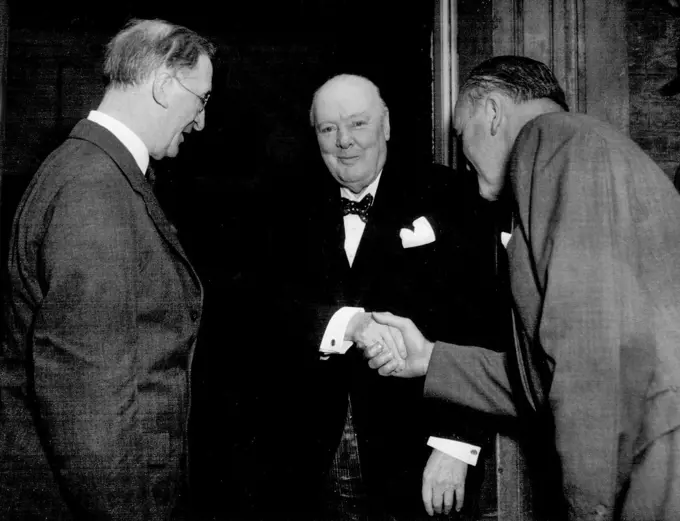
257,146
224,188
271,57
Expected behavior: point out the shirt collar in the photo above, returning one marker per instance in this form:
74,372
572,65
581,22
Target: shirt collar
370,189
127,137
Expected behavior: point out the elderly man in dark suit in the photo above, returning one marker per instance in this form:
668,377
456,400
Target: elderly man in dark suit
595,279
102,306
377,233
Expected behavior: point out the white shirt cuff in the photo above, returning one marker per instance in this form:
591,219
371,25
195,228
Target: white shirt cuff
333,340
456,449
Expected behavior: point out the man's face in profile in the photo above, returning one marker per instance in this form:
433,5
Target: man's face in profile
472,123
186,111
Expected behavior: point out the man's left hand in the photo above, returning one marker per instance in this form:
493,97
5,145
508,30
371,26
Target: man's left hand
443,480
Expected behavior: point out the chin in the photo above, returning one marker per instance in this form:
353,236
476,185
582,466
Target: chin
356,185
489,192
172,151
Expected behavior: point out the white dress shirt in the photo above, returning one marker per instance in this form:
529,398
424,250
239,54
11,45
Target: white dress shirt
354,226
334,336
130,140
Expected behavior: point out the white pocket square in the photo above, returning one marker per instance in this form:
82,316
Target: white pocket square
505,238
421,234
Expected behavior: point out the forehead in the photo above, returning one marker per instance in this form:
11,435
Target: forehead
345,98
201,74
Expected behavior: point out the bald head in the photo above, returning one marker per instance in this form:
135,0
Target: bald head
350,89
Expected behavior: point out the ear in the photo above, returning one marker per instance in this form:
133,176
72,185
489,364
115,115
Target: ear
494,111
160,87
386,125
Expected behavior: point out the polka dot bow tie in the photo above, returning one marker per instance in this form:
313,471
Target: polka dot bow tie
361,208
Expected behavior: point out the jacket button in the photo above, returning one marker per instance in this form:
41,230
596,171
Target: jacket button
194,315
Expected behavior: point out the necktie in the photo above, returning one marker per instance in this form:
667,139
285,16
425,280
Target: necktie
150,175
360,208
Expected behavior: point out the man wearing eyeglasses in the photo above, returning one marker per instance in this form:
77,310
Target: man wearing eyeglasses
102,306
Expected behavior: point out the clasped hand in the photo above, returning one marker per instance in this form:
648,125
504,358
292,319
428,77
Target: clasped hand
381,339
416,348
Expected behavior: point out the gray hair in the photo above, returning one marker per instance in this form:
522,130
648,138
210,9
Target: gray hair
520,78
143,46
383,106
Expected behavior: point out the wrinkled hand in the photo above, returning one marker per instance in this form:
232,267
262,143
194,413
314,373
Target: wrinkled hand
418,349
386,340
443,480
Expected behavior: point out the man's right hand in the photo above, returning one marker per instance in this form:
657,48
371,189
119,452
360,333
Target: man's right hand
419,349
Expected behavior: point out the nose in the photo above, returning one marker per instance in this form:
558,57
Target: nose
199,122
343,139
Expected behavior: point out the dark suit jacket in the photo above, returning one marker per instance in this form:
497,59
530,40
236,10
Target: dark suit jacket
102,308
596,283
447,287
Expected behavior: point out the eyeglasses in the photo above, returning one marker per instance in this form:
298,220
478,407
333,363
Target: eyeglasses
204,99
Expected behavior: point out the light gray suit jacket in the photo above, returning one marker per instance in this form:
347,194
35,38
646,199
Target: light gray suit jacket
595,277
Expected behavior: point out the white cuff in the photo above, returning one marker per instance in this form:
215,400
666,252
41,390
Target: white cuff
456,449
333,340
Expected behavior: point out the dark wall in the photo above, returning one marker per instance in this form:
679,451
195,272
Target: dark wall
475,44
475,34
653,44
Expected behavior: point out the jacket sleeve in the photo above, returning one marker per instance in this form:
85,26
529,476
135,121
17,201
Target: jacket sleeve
473,378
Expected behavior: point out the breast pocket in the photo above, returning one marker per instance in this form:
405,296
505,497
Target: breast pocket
419,258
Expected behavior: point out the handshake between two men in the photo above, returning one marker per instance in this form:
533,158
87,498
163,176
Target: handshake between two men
393,345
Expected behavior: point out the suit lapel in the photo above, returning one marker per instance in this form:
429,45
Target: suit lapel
330,231
98,135
381,234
